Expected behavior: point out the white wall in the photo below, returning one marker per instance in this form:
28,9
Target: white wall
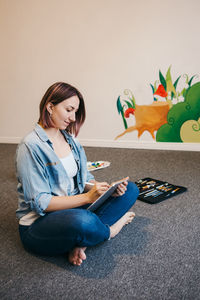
101,47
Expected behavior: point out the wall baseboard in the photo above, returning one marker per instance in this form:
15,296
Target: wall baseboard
140,145
10,140
122,144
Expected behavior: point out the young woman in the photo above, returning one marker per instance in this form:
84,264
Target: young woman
52,175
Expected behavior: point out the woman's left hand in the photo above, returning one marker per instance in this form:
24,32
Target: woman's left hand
121,189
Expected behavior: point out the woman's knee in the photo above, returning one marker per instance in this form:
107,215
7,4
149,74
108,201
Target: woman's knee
84,220
133,187
132,191
90,229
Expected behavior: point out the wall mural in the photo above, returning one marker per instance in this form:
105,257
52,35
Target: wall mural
173,115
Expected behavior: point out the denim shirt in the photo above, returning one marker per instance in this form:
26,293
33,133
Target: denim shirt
41,174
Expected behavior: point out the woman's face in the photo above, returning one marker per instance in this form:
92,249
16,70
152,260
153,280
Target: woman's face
64,113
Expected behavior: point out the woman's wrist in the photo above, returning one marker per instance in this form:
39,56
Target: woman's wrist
89,185
92,194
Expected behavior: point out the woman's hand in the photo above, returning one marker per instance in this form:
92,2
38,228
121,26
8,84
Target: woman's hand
97,190
121,189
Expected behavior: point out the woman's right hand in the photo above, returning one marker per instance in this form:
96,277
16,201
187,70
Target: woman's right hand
97,190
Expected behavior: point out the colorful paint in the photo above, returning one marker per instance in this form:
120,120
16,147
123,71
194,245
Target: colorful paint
173,116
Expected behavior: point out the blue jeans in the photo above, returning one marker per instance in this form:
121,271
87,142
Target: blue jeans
60,231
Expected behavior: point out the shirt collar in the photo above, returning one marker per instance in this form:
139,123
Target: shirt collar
44,137
41,133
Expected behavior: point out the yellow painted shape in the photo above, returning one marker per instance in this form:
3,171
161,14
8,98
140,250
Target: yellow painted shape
190,131
170,87
148,117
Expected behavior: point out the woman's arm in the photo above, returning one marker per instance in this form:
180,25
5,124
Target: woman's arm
66,202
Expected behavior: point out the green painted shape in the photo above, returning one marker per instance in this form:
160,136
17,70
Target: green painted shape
162,80
121,111
152,88
129,104
176,82
168,75
190,81
180,113
119,106
133,101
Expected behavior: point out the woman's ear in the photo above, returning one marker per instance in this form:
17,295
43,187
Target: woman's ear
50,107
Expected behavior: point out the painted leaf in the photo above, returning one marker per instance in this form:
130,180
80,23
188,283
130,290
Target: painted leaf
170,87
168,75
162,80
190,81
129,104
152,88
155,85
133,101
119,106
176,82
121,111
183,92
187,78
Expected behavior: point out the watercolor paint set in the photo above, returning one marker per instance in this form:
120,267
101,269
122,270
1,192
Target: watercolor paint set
154,191
96,165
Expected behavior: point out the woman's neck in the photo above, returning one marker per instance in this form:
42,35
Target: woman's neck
53,133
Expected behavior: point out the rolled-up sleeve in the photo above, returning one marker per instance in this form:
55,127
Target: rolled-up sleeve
89,176
32,177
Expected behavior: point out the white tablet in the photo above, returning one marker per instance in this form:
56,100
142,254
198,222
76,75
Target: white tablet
104,196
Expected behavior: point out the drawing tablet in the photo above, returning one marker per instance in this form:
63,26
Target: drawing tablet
104,196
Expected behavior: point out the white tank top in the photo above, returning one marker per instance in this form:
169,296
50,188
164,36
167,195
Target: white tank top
70,167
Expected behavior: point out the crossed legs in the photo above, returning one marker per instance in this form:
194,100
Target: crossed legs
72,230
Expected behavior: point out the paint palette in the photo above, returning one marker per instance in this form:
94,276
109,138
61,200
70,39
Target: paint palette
154,191
96,165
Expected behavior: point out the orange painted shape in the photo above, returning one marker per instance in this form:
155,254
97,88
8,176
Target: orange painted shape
151,117
148,118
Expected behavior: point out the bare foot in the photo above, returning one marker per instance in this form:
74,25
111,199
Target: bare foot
77,255
115,228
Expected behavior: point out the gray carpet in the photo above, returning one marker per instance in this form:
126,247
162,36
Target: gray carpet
157,256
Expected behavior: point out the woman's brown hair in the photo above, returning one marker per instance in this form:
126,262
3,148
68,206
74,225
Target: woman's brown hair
55,94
